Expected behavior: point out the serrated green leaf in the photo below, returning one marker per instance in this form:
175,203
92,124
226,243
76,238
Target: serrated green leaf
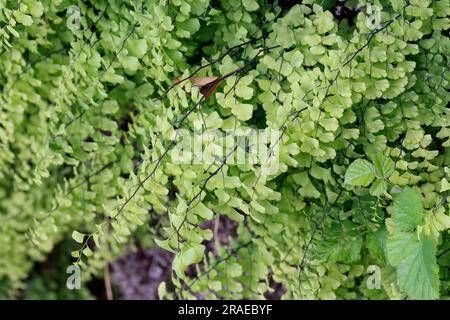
408,210
359,173
342,243
383,165
400,245
378,187
418,273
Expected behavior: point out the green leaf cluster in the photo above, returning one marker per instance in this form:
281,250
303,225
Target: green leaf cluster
88,136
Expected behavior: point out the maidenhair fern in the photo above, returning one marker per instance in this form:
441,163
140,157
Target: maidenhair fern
357,176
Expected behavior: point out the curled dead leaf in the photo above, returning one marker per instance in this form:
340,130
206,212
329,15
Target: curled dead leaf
207,85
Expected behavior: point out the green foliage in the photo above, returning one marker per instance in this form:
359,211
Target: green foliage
360,173
413,255
88,123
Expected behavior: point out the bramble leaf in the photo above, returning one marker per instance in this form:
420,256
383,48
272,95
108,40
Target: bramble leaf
408,210
418,274
359,173
383,165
